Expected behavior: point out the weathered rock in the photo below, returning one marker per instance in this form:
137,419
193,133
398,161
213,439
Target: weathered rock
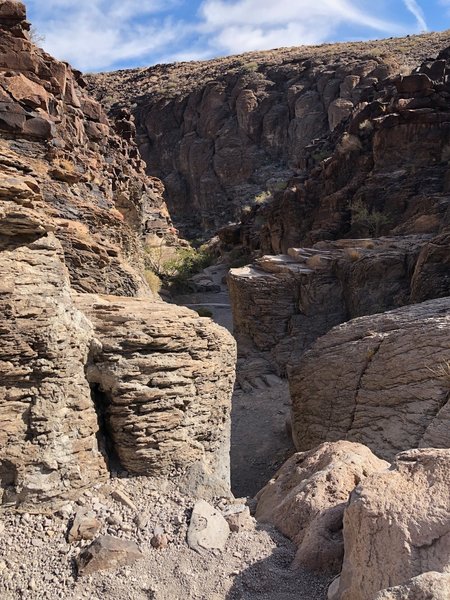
283,303
48,445
124,499
238,517
87,182
396,527
107,552
377,380
208,530
84,527
218,131
429,586
159,541
306,499
73,215
164,378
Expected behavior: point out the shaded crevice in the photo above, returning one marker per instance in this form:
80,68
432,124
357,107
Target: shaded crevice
105,438
371,353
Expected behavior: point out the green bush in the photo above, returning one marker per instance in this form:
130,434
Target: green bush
186,262
372,221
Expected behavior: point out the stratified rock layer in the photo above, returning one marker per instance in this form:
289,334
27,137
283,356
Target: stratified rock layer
282,304
397,526
61,156
151,382
166,375
48,445
380,380
306,498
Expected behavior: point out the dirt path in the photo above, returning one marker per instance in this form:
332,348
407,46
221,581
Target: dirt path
260,404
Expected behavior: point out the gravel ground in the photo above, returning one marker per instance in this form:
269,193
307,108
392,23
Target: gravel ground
37,563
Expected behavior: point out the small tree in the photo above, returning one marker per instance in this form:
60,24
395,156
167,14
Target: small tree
36,37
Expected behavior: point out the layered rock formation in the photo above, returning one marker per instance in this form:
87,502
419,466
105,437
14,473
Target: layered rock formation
48,445
164,377
61,156
220,132
86,377
380,380
306,499
282,304
406,533
385,170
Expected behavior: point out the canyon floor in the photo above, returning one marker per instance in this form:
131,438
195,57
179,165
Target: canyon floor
38,562
260,442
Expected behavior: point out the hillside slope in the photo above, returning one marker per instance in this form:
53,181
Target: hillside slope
221,132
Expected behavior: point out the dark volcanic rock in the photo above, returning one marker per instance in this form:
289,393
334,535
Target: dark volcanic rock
220,132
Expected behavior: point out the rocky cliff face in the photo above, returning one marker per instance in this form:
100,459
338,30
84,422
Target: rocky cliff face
60,156
88,380
387,174
220,132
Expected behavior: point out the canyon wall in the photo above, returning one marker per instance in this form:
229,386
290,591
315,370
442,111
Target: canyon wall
98,375
220,133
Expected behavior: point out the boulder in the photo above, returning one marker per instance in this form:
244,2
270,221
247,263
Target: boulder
163,379
306,500
396,527
208,530
107,552
429,586
380,380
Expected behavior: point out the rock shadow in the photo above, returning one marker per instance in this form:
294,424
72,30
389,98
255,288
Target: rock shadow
273,578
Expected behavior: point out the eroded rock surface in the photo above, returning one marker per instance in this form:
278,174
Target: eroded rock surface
429,586
377,380
397,527
165,376
61,156
146,379
282,304
219,132
306,499
48,444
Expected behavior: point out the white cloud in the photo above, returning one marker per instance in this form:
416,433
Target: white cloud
262,24
417,12
98,34
94,34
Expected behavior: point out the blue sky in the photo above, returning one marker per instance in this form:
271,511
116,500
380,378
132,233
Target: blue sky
100,35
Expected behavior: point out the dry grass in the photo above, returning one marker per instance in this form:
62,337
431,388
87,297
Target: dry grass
315,261
442,371
154,282
352,254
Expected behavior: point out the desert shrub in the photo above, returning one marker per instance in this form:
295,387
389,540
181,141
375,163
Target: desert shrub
442,372
250,67
352,254
262,198
35,37
349,143
185,263
372,221
154,282
315,261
